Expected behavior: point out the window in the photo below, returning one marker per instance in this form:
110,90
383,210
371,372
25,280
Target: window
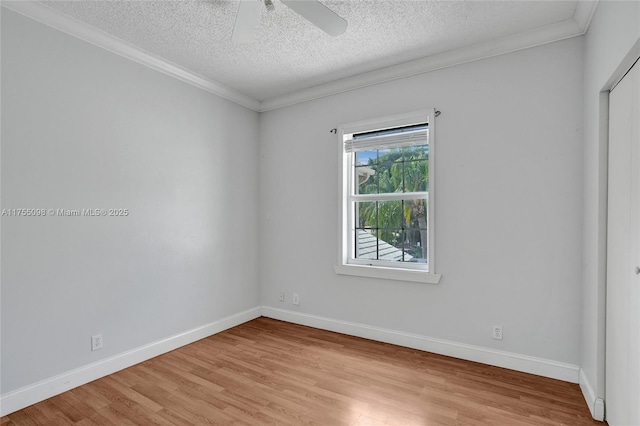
387,200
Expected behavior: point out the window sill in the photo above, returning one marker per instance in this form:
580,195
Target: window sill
388,273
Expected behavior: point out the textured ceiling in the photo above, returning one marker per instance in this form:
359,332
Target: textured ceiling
289,54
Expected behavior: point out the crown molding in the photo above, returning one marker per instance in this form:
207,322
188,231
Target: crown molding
79,29
543,35
584,13
576,26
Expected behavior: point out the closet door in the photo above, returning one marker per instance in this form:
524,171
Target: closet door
623,254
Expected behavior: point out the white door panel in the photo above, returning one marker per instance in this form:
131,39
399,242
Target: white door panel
623,254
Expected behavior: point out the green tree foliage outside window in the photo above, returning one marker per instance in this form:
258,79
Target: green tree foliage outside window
401,223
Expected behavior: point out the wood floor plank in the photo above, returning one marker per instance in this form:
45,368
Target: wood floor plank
268,372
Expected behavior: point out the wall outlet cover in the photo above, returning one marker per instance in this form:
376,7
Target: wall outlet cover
96,342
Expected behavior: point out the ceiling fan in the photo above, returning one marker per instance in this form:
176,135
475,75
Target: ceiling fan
312,10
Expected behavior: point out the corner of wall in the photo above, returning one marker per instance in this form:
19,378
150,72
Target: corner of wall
595,404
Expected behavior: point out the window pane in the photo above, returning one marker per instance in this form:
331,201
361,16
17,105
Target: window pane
385,156
393,170
389,180
419,152
371,246
366,158
367,214
366,244
367,180
390,215
391,248
416,176
416,168
391,230
414,246
416,213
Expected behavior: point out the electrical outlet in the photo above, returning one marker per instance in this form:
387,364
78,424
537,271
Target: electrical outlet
282,296
96,342
497,332
296,299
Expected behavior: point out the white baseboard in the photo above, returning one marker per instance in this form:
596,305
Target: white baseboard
595,404
31,394
28,395
513,361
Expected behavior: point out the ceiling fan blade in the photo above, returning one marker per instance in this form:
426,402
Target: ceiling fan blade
246,21
319,15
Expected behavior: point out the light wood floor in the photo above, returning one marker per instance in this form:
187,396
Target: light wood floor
270,372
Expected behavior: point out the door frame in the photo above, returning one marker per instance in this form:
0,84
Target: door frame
598,411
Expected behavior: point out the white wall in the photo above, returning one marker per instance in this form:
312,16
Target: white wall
520,192
509,205
84,128
614,30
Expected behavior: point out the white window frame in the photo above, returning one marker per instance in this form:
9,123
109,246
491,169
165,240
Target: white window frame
347,265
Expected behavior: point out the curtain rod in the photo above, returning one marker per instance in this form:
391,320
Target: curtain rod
335,130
